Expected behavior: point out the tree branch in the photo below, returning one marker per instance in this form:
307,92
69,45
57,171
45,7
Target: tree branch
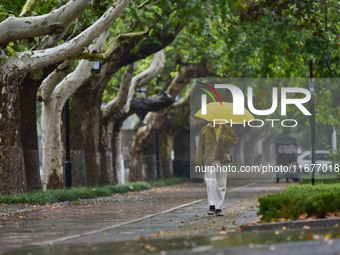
186,72
111,47
29,6
75,79
149,46
127,89
144,77
53,79
28,61
118,101
14,28
142,4
156,120
186,97
141,106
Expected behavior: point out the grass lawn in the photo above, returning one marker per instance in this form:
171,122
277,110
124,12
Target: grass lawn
76,193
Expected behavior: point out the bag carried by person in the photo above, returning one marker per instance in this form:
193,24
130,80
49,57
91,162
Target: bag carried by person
225,157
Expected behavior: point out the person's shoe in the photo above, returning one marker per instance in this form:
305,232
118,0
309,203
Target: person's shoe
211,210
219,212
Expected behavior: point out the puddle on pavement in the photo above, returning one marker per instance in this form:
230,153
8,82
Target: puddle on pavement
193,244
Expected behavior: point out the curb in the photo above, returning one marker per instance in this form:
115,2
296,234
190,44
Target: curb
317,223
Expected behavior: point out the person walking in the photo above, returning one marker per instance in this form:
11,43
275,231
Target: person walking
213,150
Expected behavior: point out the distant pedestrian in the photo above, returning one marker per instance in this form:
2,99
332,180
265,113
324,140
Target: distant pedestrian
214,150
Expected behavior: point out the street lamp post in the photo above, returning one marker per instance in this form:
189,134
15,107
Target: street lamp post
68,165
312,119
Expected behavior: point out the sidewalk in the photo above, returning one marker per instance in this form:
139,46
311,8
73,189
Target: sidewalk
168,220
190,219
162,212
22,225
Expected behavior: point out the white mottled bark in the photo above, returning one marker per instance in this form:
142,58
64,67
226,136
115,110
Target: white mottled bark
32,60
154,121
129,85
119,160
54,78
51,144
184,99
142,78
54,96
121,104
29,5
14,28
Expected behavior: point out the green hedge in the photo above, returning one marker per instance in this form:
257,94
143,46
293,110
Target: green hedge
320,180
76,193
317,200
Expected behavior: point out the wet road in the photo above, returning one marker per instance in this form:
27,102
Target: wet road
170,220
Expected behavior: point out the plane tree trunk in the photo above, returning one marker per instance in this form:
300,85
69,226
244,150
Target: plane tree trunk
89,100
116,111
12,167
155,121
13,69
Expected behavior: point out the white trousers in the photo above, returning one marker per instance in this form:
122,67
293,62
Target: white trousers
216,183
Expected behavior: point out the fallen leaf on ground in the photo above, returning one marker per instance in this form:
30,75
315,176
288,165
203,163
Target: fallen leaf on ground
316,237
155,234
328,236
149,247
303,216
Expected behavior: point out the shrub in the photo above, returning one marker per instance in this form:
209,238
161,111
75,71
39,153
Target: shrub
76,193
317,200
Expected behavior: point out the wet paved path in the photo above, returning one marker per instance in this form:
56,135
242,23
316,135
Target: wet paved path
165,212
190,219
170,220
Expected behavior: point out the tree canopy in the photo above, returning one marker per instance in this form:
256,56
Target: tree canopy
48,48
